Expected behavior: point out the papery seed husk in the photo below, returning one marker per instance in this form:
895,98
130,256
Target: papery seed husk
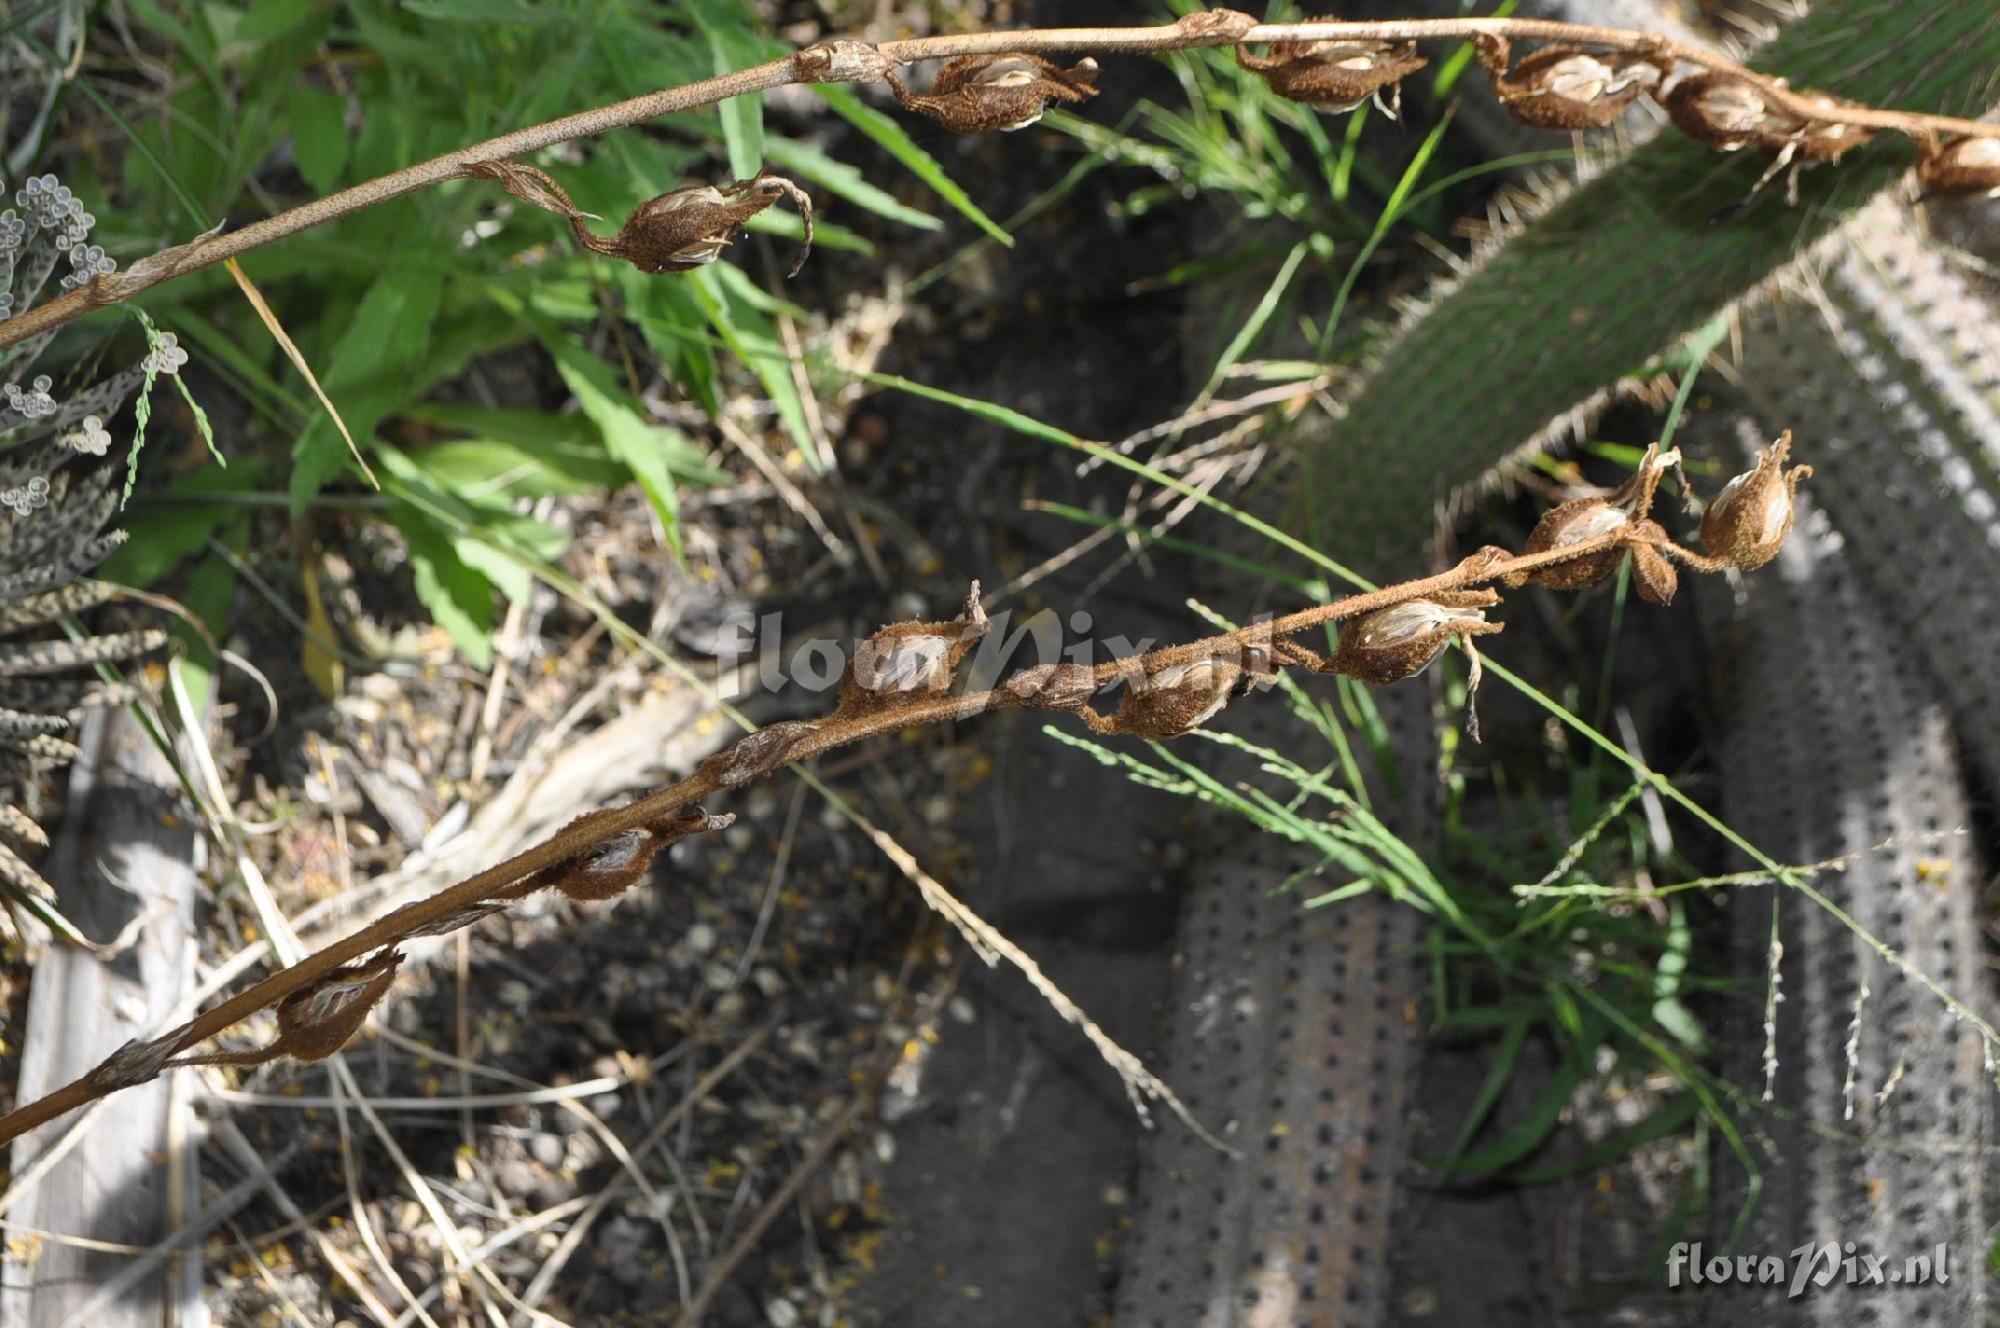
1969,168
1333,75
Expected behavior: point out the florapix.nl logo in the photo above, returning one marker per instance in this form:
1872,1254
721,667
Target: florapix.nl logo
1808,1268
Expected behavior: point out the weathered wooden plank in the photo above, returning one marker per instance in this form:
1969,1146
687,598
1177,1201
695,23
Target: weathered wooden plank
125,850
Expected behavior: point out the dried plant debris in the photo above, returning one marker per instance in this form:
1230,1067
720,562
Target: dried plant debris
56,495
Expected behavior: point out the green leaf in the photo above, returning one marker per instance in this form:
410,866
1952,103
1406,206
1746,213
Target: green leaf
319,136
838,177
487,12
891,138
266,19
458,596
642,446
367,375
169,528
742,117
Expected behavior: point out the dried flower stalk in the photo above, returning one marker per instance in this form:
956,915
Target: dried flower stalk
899,680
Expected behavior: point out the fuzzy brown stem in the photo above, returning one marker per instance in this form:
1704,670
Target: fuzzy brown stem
846,60
510,879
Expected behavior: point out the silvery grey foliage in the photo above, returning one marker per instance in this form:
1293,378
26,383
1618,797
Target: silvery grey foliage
55,497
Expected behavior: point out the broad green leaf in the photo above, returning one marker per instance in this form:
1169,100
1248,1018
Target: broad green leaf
367,374
319,136
642,446
173,526
459,597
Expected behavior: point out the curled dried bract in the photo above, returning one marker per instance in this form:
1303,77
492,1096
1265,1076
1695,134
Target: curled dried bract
1052,687
615,865
1566,87
977,93
910,659
1747,523
1182,697
1335,75
1969,168
678,231
758,753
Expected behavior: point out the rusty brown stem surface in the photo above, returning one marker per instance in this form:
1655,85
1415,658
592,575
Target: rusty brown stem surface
848,60
599,831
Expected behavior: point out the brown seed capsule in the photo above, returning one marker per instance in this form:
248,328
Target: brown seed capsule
1400,642
680,230
1334,75
1052,687
1655,578
1182,697
910,659
757,753
1565,87
1969,168
975,94
1728,113
1747,523
688,227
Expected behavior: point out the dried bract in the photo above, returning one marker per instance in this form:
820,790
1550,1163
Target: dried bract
1969,168
679,231
1566,87
1747,523
975,94
1400,642
1052,687
757,753
910,659
1335,75
618,863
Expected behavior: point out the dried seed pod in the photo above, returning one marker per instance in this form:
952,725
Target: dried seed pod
463,917
1182,697
910,659
1566,87
1335,75
1052,687
978,93
1729,112
1655,578
1581,519
1747,523
757,753
134,1063
1400,642
1969,168
679,231
318,1020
